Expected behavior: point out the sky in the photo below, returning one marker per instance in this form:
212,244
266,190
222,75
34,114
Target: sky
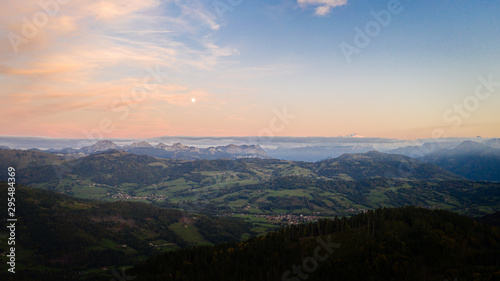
140,69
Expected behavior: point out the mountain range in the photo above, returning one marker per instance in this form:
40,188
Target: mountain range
150,199
474,160
174,151
349,183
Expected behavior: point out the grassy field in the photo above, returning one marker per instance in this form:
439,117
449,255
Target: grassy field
189,233
248,185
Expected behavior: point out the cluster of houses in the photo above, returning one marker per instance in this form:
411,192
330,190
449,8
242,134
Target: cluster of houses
288,218
154,197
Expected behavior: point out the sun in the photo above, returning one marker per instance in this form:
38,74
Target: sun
193,100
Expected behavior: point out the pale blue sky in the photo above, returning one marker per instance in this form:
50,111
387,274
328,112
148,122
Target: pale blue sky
258,58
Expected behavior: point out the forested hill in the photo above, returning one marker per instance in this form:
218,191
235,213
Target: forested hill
59,237
338,186
491,219
472,160
385,244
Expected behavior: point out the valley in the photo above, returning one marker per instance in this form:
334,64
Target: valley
113,209
231,140
346,185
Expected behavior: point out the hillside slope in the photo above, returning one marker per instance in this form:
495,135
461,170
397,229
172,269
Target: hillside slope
385,244
66,235
472,160
375,164
348,184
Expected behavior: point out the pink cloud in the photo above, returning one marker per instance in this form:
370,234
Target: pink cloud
323,7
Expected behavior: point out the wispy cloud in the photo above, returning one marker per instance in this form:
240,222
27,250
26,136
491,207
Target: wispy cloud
89,54
323,7
145,31
196,9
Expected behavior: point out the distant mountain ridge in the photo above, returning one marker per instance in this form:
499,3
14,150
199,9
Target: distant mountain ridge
495,143
377,164
473,160
175,151
99,146
422,150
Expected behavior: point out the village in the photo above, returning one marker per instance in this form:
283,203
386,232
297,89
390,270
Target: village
153,197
